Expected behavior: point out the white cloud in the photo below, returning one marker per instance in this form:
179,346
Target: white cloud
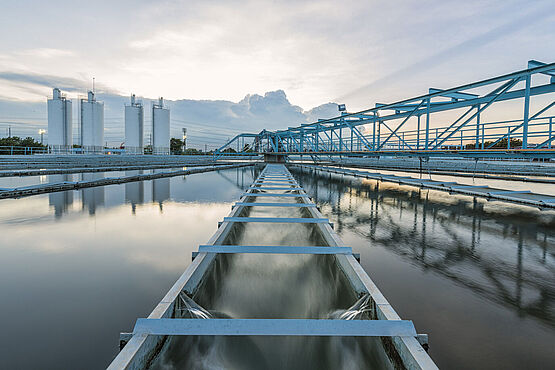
45,53
315,51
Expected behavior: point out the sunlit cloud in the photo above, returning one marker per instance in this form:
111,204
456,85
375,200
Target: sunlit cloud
355,52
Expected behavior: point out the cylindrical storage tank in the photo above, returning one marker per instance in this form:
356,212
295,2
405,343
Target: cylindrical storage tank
92,125
134,127
160,128
60,139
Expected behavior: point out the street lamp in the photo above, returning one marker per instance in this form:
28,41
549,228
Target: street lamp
41,132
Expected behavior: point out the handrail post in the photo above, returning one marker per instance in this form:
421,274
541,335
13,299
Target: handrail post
526,113
483,135
550,131
418,134
374,133
427,124
477,141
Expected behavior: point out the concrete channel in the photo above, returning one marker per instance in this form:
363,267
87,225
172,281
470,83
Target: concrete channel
72,170
512,196
181,313
74,185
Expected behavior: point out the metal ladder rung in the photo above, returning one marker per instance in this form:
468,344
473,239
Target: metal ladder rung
278,249
288,220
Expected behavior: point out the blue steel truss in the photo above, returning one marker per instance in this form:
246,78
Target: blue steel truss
383,130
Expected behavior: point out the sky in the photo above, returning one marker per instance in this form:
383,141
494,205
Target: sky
315,52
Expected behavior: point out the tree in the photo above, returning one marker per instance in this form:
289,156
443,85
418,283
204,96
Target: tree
502,144
18,145
176,146
191,151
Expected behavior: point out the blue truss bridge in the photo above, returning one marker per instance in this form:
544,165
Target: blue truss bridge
443,122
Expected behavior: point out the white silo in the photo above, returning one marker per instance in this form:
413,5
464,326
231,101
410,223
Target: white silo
134,127
92,125
160,128
60,132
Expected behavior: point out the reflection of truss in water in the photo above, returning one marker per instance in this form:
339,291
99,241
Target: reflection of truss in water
239,181
525,284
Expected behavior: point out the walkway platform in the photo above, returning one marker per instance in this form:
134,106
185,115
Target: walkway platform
74,185
513,196
404,345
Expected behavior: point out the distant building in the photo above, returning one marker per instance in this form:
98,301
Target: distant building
60,133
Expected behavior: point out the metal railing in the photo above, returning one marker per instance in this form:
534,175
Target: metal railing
21,150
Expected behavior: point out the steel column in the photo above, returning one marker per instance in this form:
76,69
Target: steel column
526,112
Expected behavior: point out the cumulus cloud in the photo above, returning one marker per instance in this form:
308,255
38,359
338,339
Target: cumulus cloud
211,58
209,122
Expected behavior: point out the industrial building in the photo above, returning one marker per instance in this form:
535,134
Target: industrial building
134,127
92,124
160,128
60,132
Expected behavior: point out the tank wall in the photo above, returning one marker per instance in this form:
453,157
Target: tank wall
160,131
92,126
59,125
134,129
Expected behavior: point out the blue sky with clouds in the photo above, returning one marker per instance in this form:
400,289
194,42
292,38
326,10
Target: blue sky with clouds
355,52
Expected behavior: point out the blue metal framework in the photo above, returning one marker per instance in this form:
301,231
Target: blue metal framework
384,130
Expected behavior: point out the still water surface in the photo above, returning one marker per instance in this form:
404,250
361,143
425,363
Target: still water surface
477,276
76,268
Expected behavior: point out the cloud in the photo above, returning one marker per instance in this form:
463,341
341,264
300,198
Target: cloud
209,122
45,53
218,58
64,83
40,85
458,50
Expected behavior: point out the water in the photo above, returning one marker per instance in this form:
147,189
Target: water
477,276
76,268
268,286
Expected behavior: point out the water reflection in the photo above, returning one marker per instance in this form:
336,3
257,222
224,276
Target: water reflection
160,191
64,273
503,254
61,201
134,191
92,198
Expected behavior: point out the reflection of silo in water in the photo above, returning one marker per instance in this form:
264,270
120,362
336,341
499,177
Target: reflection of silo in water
60,200
160,190
92,197
134,191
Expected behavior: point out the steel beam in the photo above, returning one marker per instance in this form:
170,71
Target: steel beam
273,249
276,327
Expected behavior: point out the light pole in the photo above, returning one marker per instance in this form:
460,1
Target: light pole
41,132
